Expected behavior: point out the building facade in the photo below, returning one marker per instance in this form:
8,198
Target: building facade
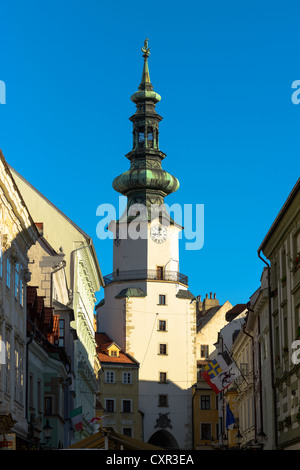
47,376
148,309
119,389
245,355
259,308
83,279
280,252
211,318
205,416
235,318
17,234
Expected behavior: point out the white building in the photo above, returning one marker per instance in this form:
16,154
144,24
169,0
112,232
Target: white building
84,279
17,234
280,251
259,316
148,309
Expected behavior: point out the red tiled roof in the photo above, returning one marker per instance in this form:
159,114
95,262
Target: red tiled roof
103,342
122,359
235,311
40,226
238,308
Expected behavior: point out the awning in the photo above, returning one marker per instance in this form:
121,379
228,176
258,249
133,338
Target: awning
108,439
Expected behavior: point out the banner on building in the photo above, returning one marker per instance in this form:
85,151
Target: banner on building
219,373
230,419
76,417
97,419
8,442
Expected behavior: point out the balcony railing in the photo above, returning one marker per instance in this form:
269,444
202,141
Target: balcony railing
146,274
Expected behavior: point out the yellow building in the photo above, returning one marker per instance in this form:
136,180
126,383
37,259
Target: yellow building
230,437
119,388
205,415
211,318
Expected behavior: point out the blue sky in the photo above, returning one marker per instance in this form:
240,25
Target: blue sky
230,130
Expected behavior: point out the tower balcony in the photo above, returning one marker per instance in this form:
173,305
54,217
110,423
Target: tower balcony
146,275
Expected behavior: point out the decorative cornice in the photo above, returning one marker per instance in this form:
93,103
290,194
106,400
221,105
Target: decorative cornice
91,274
13,201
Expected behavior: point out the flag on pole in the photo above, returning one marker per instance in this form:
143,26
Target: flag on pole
230,419
76,417
95,419
219,374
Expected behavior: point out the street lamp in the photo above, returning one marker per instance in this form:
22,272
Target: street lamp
224,441
239,439
47,432
261,436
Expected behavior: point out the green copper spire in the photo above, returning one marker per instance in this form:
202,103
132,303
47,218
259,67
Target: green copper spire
146,75
145,87
145,182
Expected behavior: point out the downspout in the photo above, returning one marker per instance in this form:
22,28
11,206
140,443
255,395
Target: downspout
27,371
194,388
260,383
271,347
27,386
253,369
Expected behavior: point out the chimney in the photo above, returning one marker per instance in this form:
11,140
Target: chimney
210,302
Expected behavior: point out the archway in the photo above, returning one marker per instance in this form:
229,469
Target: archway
163,439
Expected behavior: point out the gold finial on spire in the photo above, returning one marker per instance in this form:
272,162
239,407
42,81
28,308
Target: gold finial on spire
146,49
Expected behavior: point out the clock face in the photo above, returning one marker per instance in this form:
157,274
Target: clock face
158,233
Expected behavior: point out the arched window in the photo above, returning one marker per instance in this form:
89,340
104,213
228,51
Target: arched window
150,138
141,139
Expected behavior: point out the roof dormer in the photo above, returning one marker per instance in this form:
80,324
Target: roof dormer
113,350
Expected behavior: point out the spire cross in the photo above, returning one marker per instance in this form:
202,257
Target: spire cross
146,49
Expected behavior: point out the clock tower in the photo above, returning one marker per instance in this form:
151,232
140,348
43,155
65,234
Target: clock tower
148,310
